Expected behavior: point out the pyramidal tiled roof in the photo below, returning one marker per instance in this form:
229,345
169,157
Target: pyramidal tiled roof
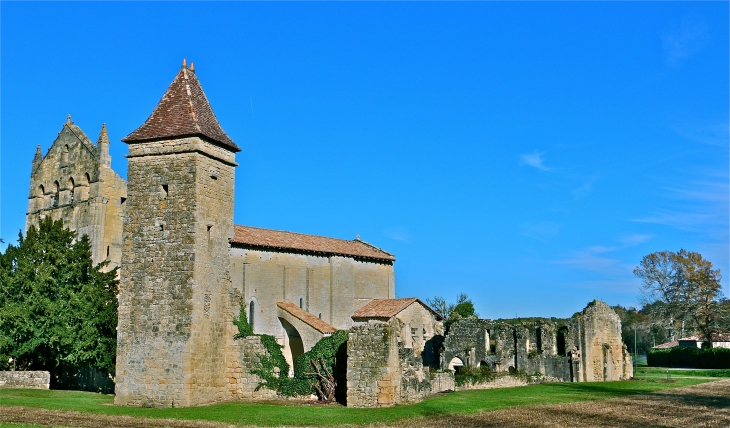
184,110
279,239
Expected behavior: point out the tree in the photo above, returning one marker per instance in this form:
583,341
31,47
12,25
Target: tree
684,287
462,309
56,307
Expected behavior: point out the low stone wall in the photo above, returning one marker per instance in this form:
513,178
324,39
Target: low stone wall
505,381
25,379
443,381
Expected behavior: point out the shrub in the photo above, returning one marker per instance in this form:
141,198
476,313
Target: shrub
473,375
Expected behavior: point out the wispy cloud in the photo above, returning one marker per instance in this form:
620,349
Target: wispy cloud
542,231
398,235
601,258
696,205
534,159
585,189
634,239
686,41
714,134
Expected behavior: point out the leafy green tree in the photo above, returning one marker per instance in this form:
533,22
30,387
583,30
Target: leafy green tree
56,307
462,309
687,289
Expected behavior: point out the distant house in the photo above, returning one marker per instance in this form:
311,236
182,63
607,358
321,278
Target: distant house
719,340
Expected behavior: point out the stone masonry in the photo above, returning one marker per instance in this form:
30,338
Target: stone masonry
25,379
584,348
74,182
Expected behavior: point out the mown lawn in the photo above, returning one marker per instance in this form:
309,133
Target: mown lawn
661,373
272,414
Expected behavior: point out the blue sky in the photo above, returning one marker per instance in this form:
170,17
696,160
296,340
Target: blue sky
527,154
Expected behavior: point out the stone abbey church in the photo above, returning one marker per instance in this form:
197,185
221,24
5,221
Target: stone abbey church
186,270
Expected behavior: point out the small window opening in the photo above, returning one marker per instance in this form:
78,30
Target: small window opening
122,201
163,191
301,303
88,178
41,190
251,313
71,185
210,226
161,227
55,194
64,155
107,251
320,315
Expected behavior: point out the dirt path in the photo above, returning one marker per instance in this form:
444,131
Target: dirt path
705,405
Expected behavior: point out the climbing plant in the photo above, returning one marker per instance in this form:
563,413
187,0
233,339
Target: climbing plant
313,372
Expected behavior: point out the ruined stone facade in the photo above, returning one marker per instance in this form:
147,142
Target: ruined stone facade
74,182
585,348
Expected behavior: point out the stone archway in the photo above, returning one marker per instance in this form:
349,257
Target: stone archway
456,364
293,345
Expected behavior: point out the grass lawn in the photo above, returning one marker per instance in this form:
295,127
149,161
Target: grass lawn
270,414
661,373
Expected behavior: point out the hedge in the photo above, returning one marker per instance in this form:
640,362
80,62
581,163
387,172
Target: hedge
689,356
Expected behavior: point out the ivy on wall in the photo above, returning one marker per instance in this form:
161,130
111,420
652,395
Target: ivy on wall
274,370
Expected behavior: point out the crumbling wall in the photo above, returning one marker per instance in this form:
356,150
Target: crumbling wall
373,370
25,379
596,337
587,347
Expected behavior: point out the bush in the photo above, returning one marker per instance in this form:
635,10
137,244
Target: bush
689,356
473,375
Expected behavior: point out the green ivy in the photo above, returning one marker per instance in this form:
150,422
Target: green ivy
244,328
274,370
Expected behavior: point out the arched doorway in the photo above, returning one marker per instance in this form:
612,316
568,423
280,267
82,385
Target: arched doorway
293,345
456,364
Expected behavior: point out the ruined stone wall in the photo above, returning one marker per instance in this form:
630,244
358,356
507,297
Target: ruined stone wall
74,182
25,379
373,368
587,347
331,288
596,333
175,306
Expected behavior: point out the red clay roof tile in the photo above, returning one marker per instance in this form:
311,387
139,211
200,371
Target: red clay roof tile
387,308
306,317
183,111
277,239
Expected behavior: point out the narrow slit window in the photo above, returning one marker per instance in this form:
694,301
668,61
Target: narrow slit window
210,226
251,313
107,251
301,303
163,191
122,201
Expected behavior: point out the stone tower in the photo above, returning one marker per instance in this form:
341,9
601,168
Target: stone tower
74,182
175,292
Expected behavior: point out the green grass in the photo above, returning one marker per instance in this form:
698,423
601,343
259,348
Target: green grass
659,372
283,414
